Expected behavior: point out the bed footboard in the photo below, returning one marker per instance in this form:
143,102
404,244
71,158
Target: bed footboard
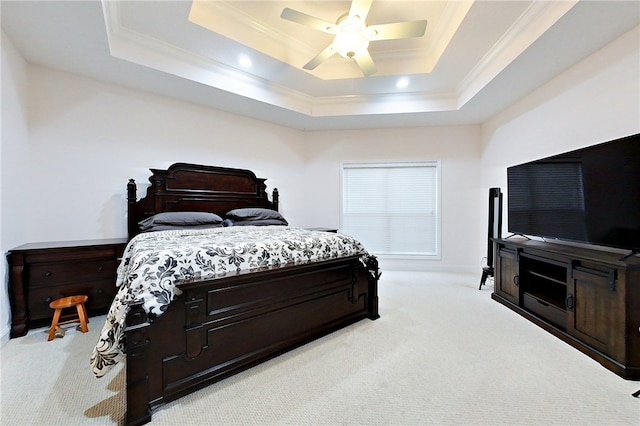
220,327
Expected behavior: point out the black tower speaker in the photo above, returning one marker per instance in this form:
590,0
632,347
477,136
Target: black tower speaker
494,230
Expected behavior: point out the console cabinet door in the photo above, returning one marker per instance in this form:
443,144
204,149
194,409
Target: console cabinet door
506,282
595,309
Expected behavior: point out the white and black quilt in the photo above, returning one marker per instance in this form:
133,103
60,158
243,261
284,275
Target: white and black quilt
154,262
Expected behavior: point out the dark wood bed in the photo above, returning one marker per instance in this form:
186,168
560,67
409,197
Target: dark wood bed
219,327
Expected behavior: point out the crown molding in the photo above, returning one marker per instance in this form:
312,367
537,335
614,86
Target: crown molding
529,27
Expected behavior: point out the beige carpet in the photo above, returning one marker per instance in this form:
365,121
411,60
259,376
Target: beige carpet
443,353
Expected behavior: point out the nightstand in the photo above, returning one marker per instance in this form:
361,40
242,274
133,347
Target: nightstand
42,272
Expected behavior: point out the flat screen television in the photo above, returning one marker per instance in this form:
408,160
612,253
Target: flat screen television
590,195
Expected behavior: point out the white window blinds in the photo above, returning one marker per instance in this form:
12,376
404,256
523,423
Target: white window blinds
392,208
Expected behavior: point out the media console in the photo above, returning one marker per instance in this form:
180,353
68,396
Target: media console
587,297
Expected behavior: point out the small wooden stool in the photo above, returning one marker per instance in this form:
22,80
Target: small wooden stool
69,302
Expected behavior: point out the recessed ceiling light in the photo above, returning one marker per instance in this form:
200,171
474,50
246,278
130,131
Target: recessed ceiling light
402,83
244,61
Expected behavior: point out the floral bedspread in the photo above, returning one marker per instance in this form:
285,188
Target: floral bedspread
154,262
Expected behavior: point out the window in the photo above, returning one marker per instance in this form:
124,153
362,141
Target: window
392,208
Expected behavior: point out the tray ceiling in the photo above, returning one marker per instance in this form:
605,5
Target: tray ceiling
476,57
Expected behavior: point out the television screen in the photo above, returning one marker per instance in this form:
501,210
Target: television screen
590,195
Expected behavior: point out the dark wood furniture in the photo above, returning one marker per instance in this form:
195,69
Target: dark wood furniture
587,297
219,327
192,187
42,272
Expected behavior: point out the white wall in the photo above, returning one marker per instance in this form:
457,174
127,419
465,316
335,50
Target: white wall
457,148
14,176
87,138
595,101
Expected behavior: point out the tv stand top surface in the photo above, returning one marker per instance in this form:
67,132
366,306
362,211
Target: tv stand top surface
589,253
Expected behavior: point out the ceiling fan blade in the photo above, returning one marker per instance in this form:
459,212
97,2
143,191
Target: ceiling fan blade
360,8
308,20
397,30
365,62
320,58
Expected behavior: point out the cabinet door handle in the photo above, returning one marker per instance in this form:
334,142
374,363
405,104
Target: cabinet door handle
569,301
48,299
516,279
47,274
100,291
100,268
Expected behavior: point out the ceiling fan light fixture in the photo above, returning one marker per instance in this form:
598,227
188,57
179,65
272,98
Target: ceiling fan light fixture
351,37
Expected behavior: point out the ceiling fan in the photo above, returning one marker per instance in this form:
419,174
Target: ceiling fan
352,35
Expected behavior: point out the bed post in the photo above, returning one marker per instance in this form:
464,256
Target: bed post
131,200
276,199
137,342
374,276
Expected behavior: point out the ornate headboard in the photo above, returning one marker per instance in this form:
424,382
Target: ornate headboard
192,187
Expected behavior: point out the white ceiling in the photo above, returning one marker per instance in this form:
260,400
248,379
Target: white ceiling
475,59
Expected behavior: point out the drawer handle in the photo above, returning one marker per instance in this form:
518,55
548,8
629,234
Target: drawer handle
100,268
100,291
48,299
47,274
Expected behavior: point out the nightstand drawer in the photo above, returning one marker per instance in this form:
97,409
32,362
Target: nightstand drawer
101,294
47,274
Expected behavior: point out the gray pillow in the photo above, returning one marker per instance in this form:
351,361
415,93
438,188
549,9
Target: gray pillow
180,219
255,213
161,227
259,222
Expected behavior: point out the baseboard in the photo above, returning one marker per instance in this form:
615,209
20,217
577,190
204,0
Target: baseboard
423,265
